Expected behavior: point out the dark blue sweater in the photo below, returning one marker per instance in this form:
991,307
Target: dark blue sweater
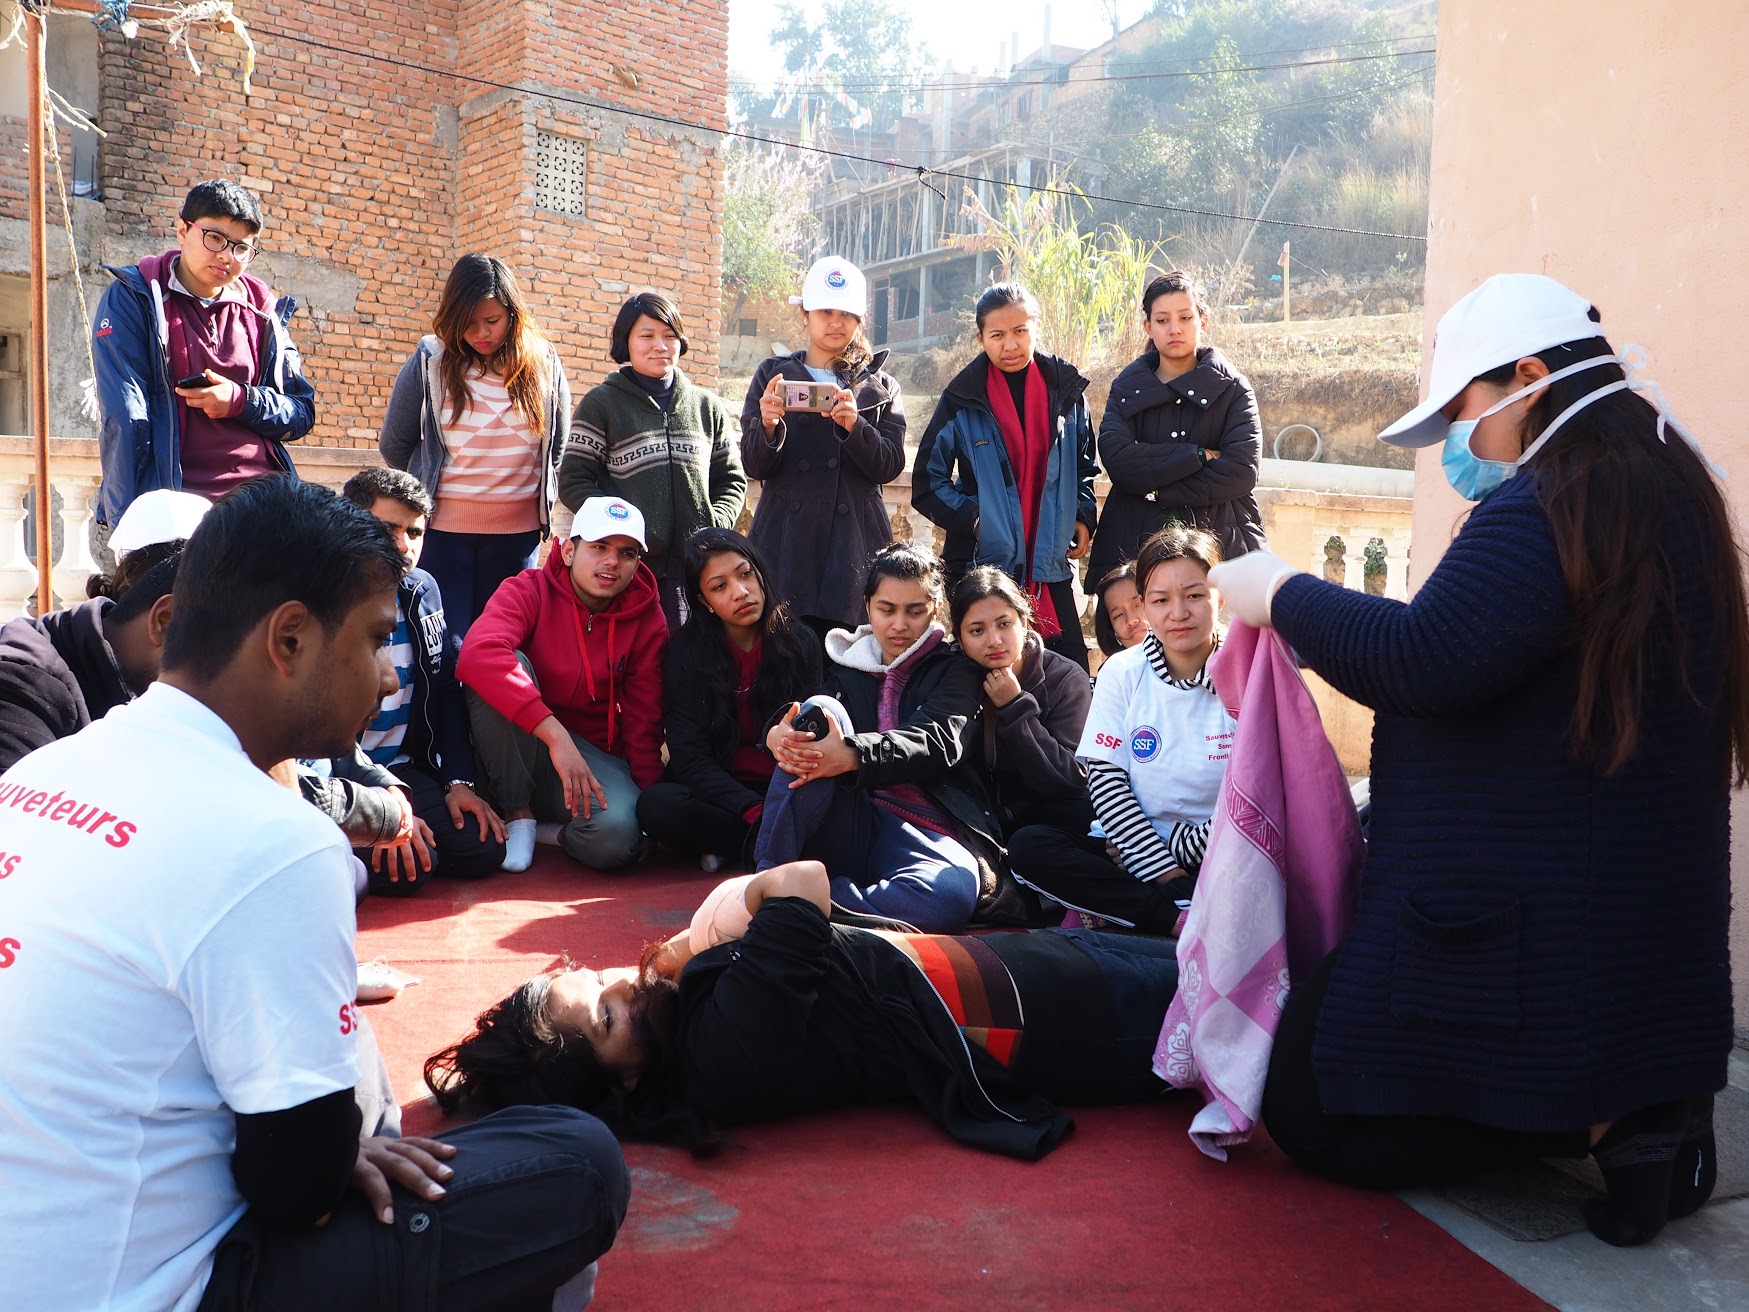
1536,947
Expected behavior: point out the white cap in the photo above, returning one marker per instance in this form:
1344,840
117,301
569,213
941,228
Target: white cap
600,518
158,516
834,284
1510,316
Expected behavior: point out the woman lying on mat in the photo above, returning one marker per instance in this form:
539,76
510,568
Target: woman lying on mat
1539,961
763,1009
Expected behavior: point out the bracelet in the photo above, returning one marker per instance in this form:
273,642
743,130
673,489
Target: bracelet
468,783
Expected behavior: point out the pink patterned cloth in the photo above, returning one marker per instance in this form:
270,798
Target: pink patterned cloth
1275,894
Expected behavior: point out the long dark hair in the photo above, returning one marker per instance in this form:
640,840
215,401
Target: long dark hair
912,564
521,361
698,669
1610,489
1102,629
982,584
515,1056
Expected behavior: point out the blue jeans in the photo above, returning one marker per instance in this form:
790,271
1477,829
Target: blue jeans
469,567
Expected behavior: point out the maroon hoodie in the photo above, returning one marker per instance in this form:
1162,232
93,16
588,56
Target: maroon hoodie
226,337
599,672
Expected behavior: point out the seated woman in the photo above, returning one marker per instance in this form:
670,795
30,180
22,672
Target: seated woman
1035,706
888,796
1156,746
763,1009
735,664
1119,621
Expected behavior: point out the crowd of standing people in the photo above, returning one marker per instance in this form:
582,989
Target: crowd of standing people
885,749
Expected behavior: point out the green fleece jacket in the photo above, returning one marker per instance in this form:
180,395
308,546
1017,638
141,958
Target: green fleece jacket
681,467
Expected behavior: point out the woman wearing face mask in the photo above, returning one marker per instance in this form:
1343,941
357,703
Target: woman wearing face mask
890,797
820,514
651,435
1035,706
1119,621
1538,962
480,415
1155,744
1006,466
730,669
1181,438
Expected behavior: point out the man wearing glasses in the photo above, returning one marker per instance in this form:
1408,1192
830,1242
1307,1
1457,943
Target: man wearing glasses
197,379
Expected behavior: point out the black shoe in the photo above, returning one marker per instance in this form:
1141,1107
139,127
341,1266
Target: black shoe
1697,1161
1638,1160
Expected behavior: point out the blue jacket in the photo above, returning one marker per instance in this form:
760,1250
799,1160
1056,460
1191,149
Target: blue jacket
141,440
1538,946
437,732
962,476
412,434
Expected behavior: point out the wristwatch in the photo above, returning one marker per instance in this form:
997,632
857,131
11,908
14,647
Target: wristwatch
449,784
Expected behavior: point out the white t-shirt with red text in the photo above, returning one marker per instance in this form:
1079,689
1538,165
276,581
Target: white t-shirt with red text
176,946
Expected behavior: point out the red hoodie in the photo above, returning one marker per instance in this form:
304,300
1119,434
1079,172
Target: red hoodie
600,673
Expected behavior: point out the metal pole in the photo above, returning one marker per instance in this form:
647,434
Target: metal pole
36,33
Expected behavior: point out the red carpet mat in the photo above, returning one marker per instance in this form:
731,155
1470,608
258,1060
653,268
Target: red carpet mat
875,1209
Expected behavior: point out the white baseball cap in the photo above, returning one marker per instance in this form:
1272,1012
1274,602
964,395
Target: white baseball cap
834,284
162,515
600,518
1510,316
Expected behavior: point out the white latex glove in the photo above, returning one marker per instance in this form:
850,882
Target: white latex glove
1247,584
723,917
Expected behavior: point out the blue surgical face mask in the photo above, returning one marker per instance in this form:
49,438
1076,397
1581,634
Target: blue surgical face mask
1472,477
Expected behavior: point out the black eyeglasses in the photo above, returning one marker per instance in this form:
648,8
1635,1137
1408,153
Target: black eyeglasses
216,242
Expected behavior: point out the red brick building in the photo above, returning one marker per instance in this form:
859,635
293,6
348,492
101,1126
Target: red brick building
378,161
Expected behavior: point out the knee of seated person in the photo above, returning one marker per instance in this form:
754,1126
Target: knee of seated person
469,859
540,1131
607,840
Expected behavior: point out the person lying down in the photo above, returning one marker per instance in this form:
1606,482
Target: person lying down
763,1009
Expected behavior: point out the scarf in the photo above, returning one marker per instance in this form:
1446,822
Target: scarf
1029,452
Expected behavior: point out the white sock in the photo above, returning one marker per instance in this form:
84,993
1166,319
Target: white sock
518,845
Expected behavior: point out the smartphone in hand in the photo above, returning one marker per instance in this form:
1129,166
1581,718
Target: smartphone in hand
194,381
817,398
812,719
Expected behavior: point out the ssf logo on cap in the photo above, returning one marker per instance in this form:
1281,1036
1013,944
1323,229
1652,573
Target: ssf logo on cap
834,284
600,518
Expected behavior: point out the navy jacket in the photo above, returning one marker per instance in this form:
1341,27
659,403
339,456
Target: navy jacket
57,675
437,733
141,441
962,476
1536,947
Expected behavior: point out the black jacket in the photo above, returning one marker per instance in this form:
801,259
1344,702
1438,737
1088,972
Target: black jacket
1029,745
803,1016
699,758
353,792
437,732
57,675
1151,443
820,517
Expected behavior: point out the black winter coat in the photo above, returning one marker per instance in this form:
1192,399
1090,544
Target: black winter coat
1151,443
699,751
57,675
820,517
1029,745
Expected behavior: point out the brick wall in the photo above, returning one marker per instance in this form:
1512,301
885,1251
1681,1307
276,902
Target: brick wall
375,177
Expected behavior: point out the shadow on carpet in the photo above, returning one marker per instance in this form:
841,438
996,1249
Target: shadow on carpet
874,1208
1546,1200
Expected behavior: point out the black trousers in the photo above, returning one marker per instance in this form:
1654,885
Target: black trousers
1379,1152
538,1194
678,818
1075,870
460,853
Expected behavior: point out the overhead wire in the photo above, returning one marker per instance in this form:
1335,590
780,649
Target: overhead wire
919,170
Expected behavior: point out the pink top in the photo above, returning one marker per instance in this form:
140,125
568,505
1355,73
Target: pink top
491,481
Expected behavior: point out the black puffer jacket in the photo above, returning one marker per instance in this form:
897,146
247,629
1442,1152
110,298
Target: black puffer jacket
1152,443
820,518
